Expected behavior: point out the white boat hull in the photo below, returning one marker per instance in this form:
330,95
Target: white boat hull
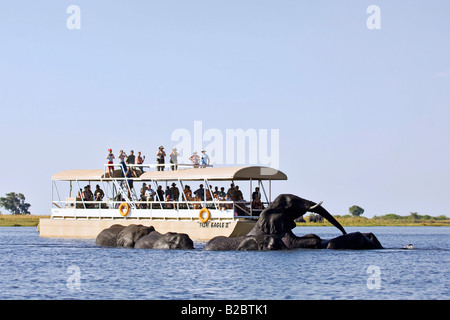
91,227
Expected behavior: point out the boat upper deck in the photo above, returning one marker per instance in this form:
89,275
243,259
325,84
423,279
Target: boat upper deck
192,174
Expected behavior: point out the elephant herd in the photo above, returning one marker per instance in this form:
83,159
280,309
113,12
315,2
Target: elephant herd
272,231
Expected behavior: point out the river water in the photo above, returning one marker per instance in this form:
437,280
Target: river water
46,268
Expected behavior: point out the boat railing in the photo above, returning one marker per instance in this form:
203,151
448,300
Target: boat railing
239,209
150,166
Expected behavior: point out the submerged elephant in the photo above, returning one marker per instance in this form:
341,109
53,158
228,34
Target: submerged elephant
131,234
108,237
354,240
261,243
170,240
277,220
139,236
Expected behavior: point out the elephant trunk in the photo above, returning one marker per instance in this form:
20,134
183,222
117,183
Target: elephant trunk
324,213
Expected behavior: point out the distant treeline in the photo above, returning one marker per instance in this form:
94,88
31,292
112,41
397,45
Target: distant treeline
391,219
412,216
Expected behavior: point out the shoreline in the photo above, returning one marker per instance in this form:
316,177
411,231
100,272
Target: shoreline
400,221
20,220
8,220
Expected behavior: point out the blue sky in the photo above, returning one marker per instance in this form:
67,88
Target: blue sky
362,114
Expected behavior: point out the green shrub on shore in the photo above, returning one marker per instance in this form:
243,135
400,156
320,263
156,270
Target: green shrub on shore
21,220
386,220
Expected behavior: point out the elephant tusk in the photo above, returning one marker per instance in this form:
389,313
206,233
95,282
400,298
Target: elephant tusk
316,205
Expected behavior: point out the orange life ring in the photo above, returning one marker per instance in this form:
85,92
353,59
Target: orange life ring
200,215
127,209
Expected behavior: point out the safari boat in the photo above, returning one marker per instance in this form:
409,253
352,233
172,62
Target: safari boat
202,219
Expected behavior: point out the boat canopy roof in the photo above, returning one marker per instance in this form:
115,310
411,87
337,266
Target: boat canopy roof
221,173
80,175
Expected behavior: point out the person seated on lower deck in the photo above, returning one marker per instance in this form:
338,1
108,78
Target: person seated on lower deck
187,192
149,196
88,196
208,194
98,196
257,206
216,191
197,204
218,201
98,193
222,195
142,196
168,205
228,205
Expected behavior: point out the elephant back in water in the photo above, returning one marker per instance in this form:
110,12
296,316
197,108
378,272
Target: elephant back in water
170,240
108,237
173,240
355,241
131,234
261,243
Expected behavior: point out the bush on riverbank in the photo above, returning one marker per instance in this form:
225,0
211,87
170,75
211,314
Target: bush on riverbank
10,220
386,220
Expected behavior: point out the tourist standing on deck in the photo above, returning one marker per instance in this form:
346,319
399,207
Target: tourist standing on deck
200,192
195,159
110,157
205,159
232,193
140,160
160,158
174,159
122,157
175,192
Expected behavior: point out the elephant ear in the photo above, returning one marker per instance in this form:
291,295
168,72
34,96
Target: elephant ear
276,223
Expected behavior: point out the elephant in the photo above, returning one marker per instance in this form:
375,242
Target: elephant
261,243
108,237
354,240
131,234
170,240
139,236
122,236
278,220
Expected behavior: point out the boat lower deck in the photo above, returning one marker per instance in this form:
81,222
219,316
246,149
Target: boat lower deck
197,230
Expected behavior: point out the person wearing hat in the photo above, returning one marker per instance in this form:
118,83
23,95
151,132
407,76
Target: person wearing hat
140,161
122,156
110,157
205,159
174,159
160,158
175,192
195,159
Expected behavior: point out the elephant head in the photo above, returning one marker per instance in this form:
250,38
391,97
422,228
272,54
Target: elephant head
173,240
170,240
